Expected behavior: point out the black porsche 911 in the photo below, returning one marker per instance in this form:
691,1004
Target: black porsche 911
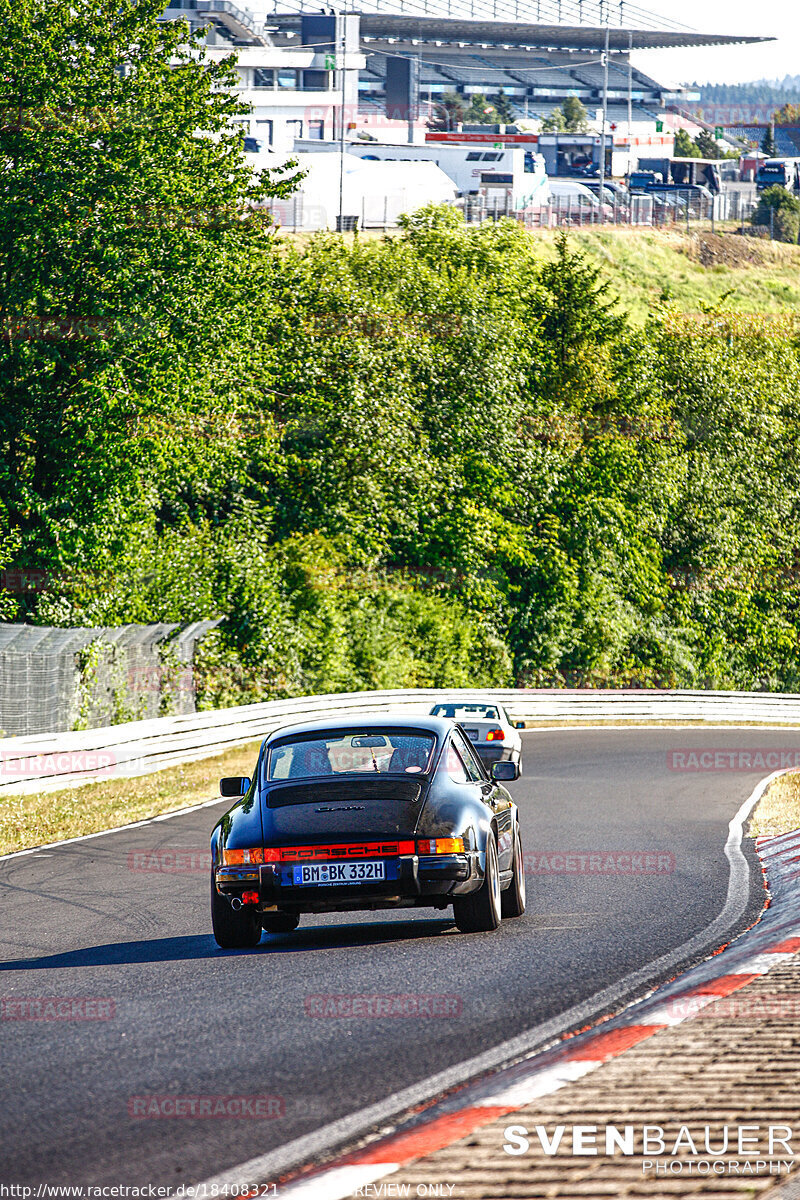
363,813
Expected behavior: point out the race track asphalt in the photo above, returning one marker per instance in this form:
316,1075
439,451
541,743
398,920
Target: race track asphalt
83,921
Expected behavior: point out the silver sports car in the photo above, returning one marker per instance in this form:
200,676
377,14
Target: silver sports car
489,728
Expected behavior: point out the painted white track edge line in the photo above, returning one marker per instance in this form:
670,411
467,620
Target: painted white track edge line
337,1183
515,1094
266,1167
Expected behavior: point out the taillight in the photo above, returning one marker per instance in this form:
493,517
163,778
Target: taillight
441,846
249,897
243,858
495,735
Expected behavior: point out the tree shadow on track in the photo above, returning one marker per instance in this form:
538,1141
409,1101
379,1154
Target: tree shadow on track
199,946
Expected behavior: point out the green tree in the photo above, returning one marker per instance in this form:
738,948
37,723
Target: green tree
502,106
780,211
125,229
707,146
448,112
684,146
789,114
554,122
481,111
570,117
579,320
768,143
576,118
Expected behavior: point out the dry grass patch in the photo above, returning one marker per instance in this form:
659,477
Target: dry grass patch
779,810
42,817
732,250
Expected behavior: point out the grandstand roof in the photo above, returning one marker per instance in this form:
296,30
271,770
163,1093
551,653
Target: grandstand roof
408,25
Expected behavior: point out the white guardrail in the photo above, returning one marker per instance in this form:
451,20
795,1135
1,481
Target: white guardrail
56,760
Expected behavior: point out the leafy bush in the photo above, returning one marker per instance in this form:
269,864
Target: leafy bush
778,210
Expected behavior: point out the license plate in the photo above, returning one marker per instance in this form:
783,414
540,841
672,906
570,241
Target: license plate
346,872
473,733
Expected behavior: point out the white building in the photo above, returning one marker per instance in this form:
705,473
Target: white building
294,91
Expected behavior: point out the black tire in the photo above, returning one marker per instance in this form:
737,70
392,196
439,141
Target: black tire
480,911
279,922
233,930
512,900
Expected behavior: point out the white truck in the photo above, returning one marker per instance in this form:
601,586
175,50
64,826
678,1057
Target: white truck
475,169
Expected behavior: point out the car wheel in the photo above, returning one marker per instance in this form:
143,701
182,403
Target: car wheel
513,898
480,911
279,922
233,930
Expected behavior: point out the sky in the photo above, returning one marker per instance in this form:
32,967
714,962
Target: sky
727,64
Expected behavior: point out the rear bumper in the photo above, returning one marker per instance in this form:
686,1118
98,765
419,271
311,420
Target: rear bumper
416,880
489,752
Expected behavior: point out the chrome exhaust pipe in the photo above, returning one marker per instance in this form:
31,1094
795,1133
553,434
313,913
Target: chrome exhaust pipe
236,904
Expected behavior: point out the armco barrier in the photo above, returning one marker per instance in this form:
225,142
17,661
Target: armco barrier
49,761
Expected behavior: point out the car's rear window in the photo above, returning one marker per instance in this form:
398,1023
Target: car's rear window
465,712
349,752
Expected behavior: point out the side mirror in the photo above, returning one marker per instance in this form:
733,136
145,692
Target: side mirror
518,724
505,772
236,785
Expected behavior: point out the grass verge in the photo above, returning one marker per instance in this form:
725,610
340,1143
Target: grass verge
779,810
42,817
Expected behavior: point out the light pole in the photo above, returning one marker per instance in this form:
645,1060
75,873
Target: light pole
343,78
630,104
603,127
